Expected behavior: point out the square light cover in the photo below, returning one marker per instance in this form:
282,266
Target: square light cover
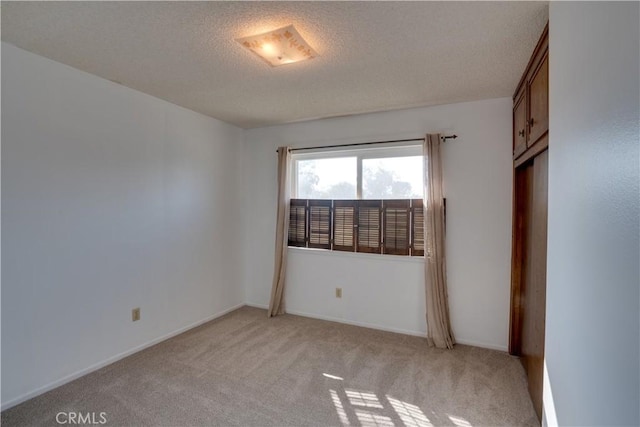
279,47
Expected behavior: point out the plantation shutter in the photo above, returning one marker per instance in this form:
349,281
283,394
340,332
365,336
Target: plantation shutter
320,224
417,227
344,214
298,223
396,227
393,227
369,225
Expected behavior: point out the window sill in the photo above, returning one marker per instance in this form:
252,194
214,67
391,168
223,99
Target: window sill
358,255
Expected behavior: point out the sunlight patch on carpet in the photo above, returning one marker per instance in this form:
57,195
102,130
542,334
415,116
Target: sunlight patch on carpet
411,415
339,408
363,398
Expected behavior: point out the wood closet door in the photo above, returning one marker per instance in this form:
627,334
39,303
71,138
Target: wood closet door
534,277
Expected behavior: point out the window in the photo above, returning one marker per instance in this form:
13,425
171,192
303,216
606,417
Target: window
382,173
332,178
359,201
392,178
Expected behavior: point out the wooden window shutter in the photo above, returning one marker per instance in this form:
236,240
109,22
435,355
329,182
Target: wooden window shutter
369,226
417,227
344,217
298,222
396,214
320,224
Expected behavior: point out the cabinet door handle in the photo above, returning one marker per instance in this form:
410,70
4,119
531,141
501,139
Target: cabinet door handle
531,122
521,132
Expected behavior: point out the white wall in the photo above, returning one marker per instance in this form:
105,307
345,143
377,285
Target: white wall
111,199
592,328
383,291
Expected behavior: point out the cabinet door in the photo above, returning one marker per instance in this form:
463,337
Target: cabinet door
539,102
519,126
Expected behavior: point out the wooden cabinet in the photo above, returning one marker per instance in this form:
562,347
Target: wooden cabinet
529,246
539,102
519,124
531,105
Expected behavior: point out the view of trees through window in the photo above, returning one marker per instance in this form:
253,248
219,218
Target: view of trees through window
392,178
382,178
333,178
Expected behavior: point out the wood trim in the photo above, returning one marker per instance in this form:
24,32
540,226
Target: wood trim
537,148
520,150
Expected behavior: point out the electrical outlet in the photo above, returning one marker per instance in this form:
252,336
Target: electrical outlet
338,292
135,314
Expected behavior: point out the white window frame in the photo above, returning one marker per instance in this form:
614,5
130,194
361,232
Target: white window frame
409,150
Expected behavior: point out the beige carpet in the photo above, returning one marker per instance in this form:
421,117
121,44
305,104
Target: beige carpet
246,370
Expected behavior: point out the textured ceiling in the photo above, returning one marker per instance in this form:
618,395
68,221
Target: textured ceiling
374,56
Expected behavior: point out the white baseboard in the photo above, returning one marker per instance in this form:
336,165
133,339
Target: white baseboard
256,305
382,328
549,417
344,321
482,345
355,323
110,360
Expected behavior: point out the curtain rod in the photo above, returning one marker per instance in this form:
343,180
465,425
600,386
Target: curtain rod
444,138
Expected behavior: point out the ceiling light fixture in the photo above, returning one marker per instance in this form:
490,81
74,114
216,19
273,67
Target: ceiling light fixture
278,47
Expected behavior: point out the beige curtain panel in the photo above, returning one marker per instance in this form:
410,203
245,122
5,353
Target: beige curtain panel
276,304
438,325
